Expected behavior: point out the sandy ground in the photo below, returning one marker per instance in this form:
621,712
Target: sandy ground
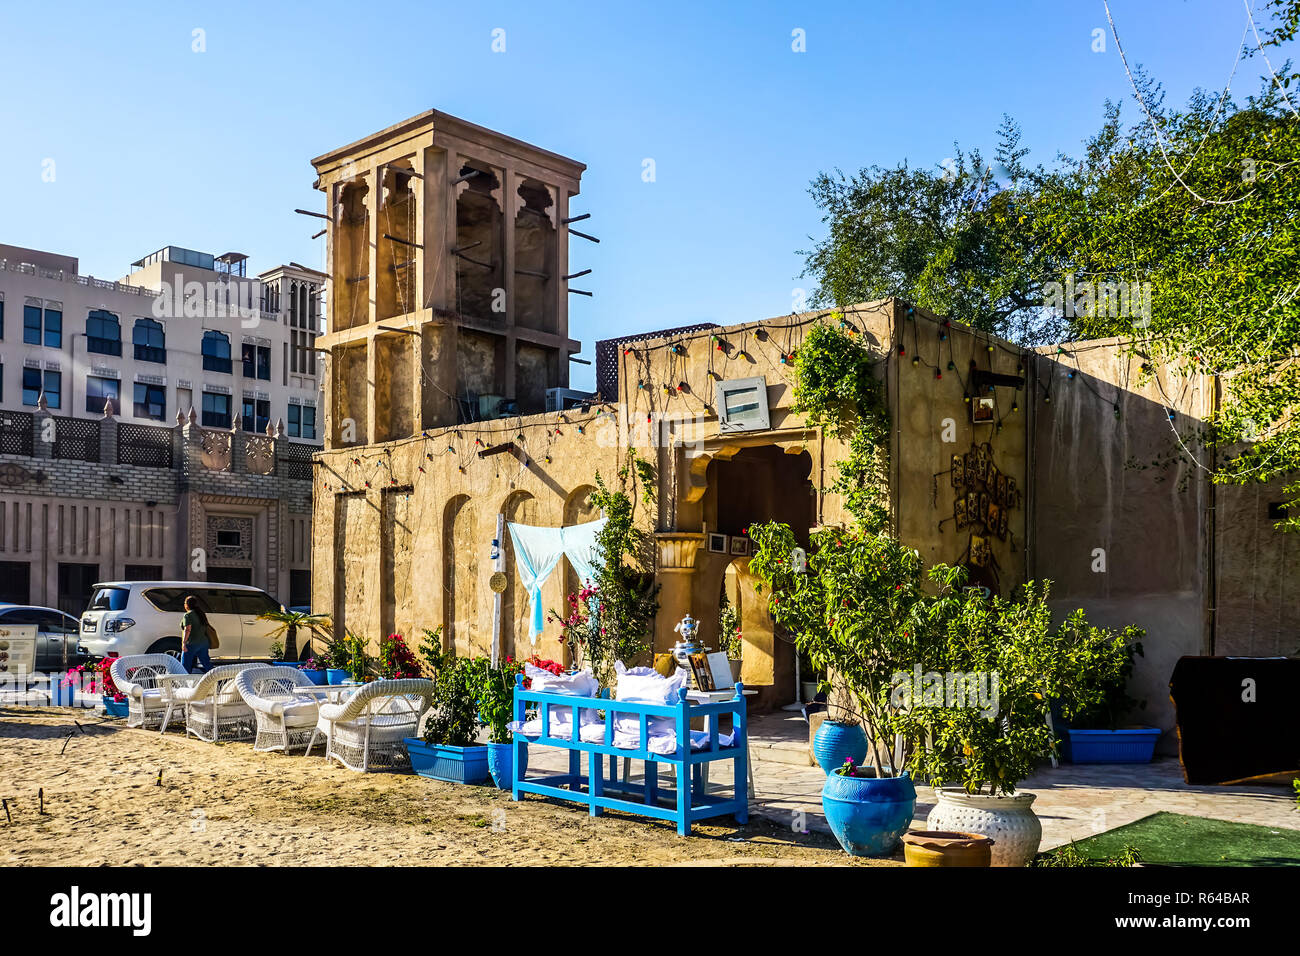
226,805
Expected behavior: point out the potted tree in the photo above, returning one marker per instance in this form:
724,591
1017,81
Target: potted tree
854,612
449,750
1010,649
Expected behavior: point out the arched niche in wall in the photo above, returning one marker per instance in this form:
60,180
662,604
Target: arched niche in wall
523,508
479,259
578,509
462,552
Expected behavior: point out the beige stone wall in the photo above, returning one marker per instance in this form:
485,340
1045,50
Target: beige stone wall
412,550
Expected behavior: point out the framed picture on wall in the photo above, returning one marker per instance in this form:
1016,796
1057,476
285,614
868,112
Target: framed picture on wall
717,543
739,545
981,411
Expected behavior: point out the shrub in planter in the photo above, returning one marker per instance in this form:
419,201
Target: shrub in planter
115,704
1096,705
1007,654
449,750
496,700
336,659
395,659
867,814
314,671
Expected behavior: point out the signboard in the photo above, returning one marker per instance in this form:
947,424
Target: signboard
18,650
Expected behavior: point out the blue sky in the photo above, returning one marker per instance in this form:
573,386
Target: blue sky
155,144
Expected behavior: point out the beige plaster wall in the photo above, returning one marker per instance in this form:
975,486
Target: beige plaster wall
412,550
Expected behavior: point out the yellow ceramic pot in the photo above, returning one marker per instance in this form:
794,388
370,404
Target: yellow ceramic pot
946,848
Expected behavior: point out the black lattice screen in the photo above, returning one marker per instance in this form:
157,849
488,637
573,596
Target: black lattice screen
296,460
607,353
15,433
146,445
76,438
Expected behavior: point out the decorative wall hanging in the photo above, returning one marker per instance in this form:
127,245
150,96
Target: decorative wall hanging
982,495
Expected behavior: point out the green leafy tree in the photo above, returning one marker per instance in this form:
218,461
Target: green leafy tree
1193,207
857,610
992,748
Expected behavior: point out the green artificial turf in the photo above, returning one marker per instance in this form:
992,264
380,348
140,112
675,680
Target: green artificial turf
1178,840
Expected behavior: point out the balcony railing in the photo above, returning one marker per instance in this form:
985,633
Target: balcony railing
103,346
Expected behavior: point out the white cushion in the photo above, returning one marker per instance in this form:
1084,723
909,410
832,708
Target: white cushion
645,685
184,693
581,684
301,713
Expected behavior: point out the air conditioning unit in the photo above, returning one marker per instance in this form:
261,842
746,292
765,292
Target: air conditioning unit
562,399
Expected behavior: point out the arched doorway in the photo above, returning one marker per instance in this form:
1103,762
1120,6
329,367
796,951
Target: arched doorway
751,486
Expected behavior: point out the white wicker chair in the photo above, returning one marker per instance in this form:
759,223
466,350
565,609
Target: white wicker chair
284,719
137,676
213,709
365,732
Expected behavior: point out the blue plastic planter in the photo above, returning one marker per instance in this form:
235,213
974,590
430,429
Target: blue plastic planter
316,677
836,741
452,764
868,815
501,764
1113,746
337,675
114,708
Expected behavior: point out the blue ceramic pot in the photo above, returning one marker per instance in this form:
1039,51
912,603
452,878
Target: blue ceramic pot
338,675
868,815
316,677
501,764
114,708
836,741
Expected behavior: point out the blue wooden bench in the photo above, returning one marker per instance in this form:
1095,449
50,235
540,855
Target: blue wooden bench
684,803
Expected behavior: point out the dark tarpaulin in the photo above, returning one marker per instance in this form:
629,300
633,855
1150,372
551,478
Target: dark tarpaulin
1238,717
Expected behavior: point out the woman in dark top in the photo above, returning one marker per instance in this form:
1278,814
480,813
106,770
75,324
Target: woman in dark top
194,636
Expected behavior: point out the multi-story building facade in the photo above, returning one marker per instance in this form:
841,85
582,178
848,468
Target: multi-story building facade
187,364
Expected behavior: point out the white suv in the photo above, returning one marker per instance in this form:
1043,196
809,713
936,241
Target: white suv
144,617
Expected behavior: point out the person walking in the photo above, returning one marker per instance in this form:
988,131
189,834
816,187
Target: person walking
196,637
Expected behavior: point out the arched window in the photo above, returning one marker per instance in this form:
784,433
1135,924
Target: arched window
216,351
103,333
150,341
